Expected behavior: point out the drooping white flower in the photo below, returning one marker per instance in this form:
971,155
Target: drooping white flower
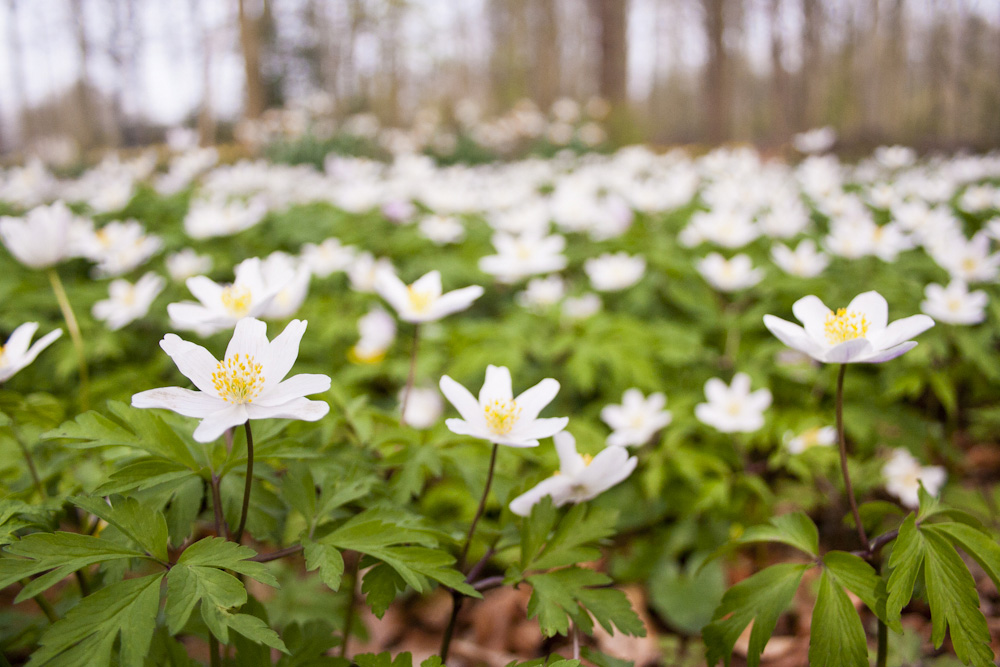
580,478
733,408
729,275
903,476
118,247
248,383
820,436
378,330
187,263
805,261
499,417
127,302
859,333
954,304
526,255
44,237
222,306
424,407
636,420
614,272
423,301
18,351
327,257
542,293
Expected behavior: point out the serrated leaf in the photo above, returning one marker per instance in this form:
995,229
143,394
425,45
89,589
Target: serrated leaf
62,553
536,528
569,594
760,598
859,577
980,546
219,552
144,525
610,606
86,635
144,474
795,529
904,564
380,585
327,560
215,589
836,636
574,538
256,630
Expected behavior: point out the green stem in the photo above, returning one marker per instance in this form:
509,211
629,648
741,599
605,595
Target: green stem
246,487
220,521
74,333
43,604
350,585
412,374
31,466
843,459
213,650
883,645
456,597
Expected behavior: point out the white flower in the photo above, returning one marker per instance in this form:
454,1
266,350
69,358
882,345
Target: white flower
423,407
423,301
222,306
187,263
733,408
815,437
127,302
971,260
249,383
497,416
614,272
636,420
525,255
542,293
729,275
954,304
818,140
15,354
904,475
580,478
119,247
327,257
206,219
364,269
859,333
581,307
804,261
44,237
442,229
289,279
378,330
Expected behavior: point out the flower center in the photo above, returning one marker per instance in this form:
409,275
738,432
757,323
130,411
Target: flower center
501,415
420,301
238,379
968,264
845,325
734,408
236,300
587,459
524,251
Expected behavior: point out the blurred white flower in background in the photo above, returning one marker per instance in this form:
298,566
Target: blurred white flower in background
954,304
220,307
733,408
424,407
581,307
519,257
214,217
805,261
818,140
127,302
903,476
119,247
541,294
17,352
729,275
288,277
45,236
187,263
423,300
614,272
327,257
378,330
820,436
442,229
637,419
364,270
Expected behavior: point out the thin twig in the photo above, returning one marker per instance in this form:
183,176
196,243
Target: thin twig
246,487
275,555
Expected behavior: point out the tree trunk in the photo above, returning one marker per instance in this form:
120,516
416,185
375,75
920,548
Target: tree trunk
27,125
810,76
256,96
85,112
779,77
612,25
716,90
547,66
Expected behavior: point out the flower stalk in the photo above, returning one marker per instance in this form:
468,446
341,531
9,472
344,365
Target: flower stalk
74,333
412,374
246,487
848,487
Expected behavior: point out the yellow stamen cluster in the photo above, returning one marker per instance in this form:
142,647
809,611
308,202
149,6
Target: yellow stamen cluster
420,301
587,459
845,325
236,300
238,379
501,415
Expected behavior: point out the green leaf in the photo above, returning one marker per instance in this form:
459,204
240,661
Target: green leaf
256,630
144,525
795,529
536,528
569,594
384,659
327,560
144,474
86,635
572,541
855,574
220,552
760,598
836,636
62,553
904,564
980,546
380,585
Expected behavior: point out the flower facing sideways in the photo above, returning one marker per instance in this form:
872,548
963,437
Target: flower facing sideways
636,420
499,417
733,408
579,478
248,383
423,301
859,333
18,352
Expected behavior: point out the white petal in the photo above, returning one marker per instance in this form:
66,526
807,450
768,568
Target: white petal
392,289
249,339
891,353
456,301
613,416
538,429
716,391
792,335
812,313
282,352
850,351
497,385
463,400
20,339
296,386
193,361
874,307
557,487
429,283
215,424
297,408
182,401
205,290
570,463
902,330
40,345
533,400
461,427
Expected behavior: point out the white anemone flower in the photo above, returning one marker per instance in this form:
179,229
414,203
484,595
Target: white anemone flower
903,476
733,408
614,272
820,436
580,478
859,333
127,302
18,351
378,330
289,277
423,301
248,383
44,237
526,255
729,275
636,420
187,263
804,262
118,247
423,407
497,416
222,306
328,257
954,304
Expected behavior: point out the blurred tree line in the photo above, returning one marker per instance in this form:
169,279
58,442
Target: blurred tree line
921,72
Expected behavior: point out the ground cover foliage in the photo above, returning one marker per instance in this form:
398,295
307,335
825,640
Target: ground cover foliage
118,526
